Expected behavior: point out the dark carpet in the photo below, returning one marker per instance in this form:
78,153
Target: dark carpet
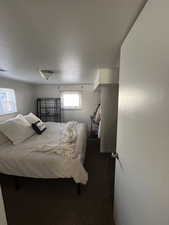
46,202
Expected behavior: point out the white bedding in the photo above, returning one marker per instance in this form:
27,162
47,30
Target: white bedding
24,160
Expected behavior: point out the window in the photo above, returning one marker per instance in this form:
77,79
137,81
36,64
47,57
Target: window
7,101
71,100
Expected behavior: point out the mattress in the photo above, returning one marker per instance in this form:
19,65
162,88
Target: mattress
23,160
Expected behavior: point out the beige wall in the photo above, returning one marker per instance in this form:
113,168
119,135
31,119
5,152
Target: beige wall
142,176
90,100
109,105
24,94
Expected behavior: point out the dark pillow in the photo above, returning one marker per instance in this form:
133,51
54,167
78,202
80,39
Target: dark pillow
39,127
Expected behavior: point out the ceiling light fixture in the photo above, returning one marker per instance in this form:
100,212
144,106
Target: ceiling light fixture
47,74
2,70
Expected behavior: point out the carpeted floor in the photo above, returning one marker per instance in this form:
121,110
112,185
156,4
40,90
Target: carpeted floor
57,203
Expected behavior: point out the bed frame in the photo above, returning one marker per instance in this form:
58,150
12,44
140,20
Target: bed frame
17,183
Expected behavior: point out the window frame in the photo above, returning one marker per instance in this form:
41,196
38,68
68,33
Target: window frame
71,107
12,91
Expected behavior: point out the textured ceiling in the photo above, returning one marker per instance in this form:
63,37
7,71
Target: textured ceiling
75,37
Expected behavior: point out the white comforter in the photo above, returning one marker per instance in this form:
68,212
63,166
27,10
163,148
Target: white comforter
50,155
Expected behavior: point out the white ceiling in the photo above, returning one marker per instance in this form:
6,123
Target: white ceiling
72,36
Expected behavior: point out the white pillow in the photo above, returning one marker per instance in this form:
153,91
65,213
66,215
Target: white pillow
17,129
3,139
31,118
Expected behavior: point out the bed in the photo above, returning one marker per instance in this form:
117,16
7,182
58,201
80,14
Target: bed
25,159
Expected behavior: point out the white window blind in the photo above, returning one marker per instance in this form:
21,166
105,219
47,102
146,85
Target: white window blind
71,100
7,101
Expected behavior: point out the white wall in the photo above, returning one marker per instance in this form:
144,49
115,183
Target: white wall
90,100
24,94
142,177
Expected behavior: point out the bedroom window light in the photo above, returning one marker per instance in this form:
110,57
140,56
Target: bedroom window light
71,100
7,101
